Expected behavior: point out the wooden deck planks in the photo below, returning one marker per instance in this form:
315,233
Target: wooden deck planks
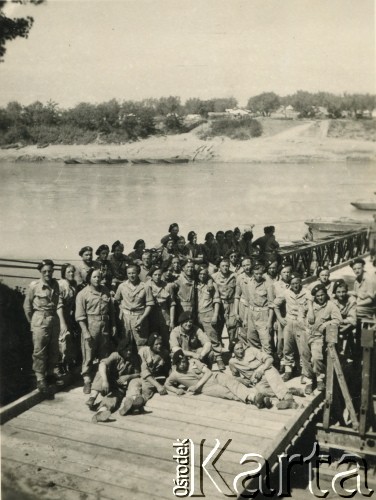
131,457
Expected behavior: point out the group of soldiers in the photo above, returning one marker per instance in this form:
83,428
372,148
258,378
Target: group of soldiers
152,321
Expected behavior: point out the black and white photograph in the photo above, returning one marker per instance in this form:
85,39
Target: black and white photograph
187,249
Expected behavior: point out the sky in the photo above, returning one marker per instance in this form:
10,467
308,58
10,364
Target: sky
93,51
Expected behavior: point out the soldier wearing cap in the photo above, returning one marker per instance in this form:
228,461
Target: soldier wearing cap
167,251
96,317
191,339
184,288
281,284
271,266
364,291
210,250
173,233
347,307
86,253
323,274
105,265
195,252
295,301
112,379
145,266
233,257
155,364
260,311
162,315
119,263
221,244
325,313
208,303
254,368
226,284
135,301
138,250
43,308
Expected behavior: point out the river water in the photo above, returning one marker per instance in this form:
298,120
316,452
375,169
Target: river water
50,210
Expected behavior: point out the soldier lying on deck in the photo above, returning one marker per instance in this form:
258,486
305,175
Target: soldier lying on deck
190,376
254,368
112,379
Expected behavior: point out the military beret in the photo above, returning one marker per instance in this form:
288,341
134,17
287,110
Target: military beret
184,316
152,270
339,283
101,248
138,242
188,261
84,249
178,356
152,339
117,244
270,261
295,275
45,262
317,288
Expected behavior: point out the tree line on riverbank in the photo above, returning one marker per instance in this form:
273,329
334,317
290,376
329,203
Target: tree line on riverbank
117,122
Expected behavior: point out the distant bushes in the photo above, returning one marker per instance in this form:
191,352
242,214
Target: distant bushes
353,129
242,129
106,122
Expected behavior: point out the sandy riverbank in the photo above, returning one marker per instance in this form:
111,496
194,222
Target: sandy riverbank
307,142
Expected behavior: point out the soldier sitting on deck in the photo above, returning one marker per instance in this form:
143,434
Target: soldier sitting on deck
190,376
254,368
191,340
112,379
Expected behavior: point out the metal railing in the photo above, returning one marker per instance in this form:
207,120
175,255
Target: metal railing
329,251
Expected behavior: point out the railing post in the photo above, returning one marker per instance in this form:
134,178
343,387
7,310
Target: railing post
366,403
332,339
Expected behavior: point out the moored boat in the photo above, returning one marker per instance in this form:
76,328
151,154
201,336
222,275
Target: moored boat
323,226
364,205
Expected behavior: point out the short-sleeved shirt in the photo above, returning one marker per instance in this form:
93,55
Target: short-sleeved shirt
191,341
118,366
134,297
253,358
364,289
43,297
296,303
226,286
347,310
279,286
241,290
185,290
163,294
207,296
260,294
194,373
68,294
91,302
327,314
153,364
